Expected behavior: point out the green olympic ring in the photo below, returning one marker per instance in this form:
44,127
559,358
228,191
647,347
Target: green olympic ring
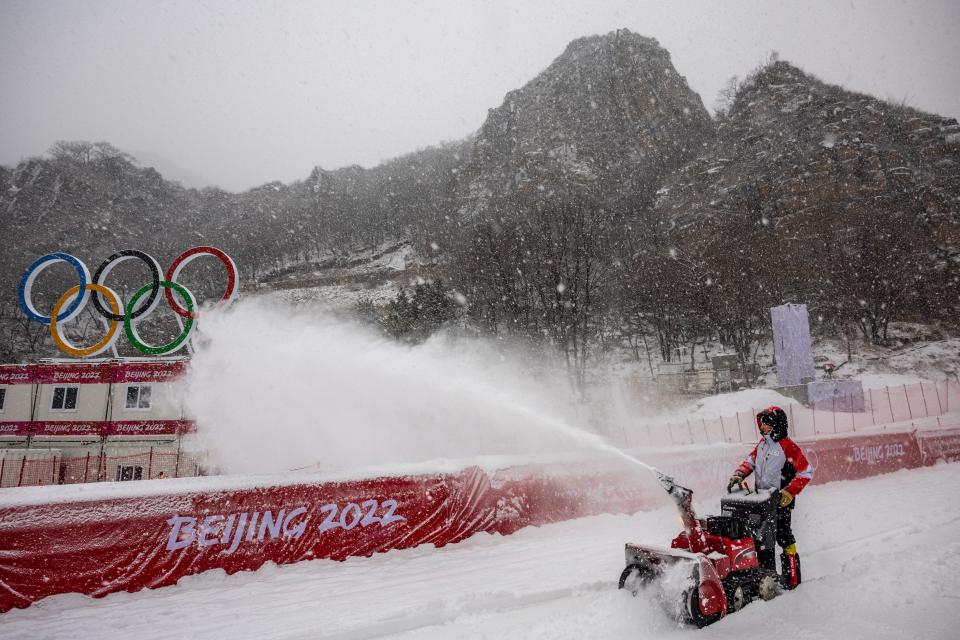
130,327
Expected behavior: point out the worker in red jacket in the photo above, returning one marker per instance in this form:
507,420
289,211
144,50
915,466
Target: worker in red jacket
778,463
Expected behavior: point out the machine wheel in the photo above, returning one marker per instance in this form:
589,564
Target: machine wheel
692,601
768,588
736,598
637,576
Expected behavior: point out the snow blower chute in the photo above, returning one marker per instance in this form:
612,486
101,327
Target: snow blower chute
711,567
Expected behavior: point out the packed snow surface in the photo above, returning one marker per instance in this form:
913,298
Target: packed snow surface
881,560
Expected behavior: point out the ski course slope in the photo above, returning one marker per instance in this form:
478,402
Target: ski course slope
881,559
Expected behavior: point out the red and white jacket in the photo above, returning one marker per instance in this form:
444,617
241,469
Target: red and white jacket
777,465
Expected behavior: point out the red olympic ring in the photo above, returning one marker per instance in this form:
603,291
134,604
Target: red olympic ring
189,256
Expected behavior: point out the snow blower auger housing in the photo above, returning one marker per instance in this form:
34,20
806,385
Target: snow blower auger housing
716,558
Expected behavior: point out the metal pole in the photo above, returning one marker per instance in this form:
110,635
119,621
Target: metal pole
34,399
86,467
150,465
53,474
35,391
907,398
3,463
926,409
103,452
834,404
873,419
108,405
723,428
890,403
176,469
23,463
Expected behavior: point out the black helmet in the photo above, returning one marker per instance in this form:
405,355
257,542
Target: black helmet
777,419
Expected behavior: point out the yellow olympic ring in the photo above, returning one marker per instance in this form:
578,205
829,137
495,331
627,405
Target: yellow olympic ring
61,341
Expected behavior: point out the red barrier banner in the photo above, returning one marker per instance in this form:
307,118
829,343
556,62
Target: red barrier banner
149,427
154,534
94,373
61,428
21,429
70,374
65,428
939,445
861,456
131,543
15,374
129,372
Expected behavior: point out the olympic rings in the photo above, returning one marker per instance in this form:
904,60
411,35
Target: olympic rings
130,328
108,340
30,275
107,265
185,258
143,302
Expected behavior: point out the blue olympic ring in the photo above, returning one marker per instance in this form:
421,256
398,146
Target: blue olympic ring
26,283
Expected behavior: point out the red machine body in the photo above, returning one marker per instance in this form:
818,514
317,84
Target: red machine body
724,554
720,551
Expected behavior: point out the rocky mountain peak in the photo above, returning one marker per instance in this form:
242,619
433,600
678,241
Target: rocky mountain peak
797,158
611,110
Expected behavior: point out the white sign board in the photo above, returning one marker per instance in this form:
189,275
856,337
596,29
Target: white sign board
791,344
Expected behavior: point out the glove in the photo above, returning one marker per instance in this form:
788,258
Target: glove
736,480
785,498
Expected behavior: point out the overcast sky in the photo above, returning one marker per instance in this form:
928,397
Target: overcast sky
239,93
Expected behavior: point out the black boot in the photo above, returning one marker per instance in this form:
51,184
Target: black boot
790,570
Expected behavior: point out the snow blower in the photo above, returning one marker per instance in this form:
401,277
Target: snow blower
712,567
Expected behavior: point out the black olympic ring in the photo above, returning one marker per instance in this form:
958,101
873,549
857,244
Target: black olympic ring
107,265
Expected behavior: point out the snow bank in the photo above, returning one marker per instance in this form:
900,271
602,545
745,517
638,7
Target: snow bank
747,401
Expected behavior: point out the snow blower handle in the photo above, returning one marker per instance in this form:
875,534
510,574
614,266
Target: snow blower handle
737,480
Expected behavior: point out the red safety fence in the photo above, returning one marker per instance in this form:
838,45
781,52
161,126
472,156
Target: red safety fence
890,405
22,467
104,540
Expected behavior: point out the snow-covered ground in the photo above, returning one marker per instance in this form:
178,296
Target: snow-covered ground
376,275
336,297
881,559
